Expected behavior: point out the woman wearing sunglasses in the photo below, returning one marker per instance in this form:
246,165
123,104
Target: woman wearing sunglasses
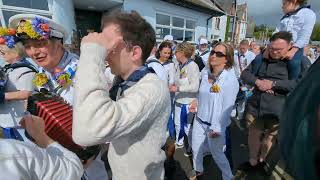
217,94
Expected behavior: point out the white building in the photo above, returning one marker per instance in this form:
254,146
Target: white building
219,27
184,19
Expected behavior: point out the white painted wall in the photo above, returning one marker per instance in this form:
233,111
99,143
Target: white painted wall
219,33
148,9
63,13
243,30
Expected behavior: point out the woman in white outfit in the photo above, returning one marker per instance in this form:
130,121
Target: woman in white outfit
186,89
217,94
164,55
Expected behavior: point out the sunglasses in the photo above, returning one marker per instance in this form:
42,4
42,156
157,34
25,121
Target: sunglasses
218,54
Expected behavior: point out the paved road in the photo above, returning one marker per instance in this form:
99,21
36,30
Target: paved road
211,171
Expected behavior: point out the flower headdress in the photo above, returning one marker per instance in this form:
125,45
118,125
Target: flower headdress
36,28
8,37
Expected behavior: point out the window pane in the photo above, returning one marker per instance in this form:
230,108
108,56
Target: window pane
177,34
177,22
8,14
190,24
188,36
161,32
163,19
34,4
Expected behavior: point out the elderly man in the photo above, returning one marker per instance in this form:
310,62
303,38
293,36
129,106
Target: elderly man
203,51
43,41
264,108
243,57
133,116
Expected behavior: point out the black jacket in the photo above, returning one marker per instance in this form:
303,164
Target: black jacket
262,104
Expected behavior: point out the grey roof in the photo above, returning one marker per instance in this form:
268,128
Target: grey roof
204,6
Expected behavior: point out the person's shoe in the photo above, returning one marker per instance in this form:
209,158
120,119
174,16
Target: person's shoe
178,146
188,153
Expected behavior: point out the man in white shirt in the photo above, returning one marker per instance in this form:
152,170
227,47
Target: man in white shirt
243,57
203,51
133,116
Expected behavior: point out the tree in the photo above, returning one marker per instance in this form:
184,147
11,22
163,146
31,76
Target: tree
316,33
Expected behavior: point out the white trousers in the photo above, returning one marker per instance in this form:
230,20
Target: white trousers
177,123
201,143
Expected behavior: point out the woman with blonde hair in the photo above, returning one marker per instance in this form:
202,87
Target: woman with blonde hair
217,94
18,86
186,89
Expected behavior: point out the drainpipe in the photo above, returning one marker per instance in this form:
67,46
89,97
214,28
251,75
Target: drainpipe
234,23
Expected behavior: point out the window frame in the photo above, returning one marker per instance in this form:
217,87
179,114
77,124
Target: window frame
171,27
23,10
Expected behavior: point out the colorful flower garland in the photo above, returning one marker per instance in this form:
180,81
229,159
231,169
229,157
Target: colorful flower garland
7,37
36,29
61,77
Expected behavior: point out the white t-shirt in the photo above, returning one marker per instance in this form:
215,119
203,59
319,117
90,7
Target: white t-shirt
11,112
245,61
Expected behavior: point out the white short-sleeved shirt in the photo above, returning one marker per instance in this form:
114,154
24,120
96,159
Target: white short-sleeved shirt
245,60
11,112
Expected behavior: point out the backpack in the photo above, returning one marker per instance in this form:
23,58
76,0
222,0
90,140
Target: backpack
199,62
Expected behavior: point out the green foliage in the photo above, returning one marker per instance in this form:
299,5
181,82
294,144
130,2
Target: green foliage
316,33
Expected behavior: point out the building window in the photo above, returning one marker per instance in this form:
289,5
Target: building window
32,4
217,25
10,8
181,29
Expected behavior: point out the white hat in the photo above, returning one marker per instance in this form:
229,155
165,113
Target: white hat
168,38
54,29
203,41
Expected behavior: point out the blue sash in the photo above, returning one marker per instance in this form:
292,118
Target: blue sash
11,133
171,127
120,85
183,121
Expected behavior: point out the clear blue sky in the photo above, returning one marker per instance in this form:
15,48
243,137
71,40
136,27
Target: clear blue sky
269,11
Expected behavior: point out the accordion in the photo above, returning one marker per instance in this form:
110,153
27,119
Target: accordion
57,115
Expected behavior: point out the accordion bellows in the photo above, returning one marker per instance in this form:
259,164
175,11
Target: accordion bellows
57,115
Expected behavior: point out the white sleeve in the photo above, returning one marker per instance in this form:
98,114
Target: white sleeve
60,163
303,36
194,79
229,95
172,72
28,161
98,119
24,82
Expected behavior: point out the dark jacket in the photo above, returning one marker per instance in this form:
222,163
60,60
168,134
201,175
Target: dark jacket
262,104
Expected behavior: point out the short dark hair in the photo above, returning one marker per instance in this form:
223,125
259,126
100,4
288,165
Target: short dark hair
136,31
164,44
284,35
244,42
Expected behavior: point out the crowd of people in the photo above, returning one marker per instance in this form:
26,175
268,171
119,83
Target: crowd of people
134,102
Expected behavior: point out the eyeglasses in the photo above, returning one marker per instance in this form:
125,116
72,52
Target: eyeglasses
218,54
